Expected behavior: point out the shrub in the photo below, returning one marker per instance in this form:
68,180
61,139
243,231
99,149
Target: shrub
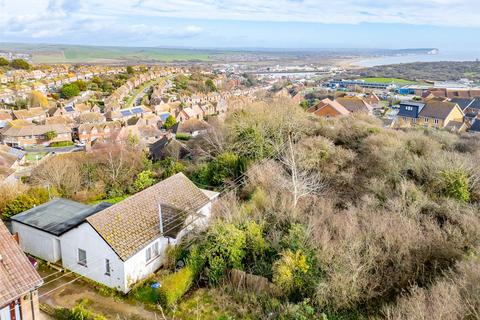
175,285
170,122
290,271
50,135
455,185
183,136
78,312
61,144
33,197
144,180
224,248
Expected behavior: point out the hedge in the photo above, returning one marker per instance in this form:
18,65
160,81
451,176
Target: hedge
175,285
183,136
61,144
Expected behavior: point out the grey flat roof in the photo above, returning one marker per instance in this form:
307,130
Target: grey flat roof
58,216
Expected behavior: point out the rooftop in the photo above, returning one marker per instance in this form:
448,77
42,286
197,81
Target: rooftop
17,275
58,216
131,224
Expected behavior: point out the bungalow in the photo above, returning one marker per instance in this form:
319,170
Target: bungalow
328,108
33,135
123,243
19,281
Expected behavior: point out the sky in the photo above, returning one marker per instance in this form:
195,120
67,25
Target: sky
444,24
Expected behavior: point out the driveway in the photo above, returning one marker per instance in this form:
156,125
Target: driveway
69,294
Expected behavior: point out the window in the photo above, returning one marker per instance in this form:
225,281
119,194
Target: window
148,254
436,121
425,120
155,249
82,257
107,267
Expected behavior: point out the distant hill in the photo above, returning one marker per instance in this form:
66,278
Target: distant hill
57,53
439,71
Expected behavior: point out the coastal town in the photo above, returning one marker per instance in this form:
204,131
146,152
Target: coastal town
110,174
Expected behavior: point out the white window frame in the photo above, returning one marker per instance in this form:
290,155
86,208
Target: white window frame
81,262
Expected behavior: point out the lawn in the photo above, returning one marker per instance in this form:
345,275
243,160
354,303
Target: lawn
208,304
388,80
32,156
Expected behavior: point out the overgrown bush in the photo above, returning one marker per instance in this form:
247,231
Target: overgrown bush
175,285
33,197
78,312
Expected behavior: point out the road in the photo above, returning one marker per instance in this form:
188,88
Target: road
55,149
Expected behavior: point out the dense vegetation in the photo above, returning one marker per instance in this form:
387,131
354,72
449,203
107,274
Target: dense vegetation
347,218
342,218
443,70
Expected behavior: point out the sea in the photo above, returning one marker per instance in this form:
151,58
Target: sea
473,55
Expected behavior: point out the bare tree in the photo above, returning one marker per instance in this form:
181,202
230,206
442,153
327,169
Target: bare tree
303,183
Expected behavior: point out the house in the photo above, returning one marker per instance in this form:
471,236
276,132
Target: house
408,113
191,127
328,108
5,117
355,104
37,114
10,158
41,228
442,115
436,114
19,281
185,114
168,146
91,132
126,242
21,135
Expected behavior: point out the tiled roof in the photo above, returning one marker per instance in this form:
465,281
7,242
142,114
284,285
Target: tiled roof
437,109
17,275
134,222
335,105
34,130
354,104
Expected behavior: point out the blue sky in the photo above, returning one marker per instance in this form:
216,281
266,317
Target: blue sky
445,24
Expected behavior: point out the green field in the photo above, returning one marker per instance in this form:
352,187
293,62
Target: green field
388,80
46,53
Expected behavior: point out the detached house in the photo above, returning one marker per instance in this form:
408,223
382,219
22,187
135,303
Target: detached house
121,244
328,108
355,105
435,114
19,281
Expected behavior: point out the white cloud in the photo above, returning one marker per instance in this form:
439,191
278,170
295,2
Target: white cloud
48,19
